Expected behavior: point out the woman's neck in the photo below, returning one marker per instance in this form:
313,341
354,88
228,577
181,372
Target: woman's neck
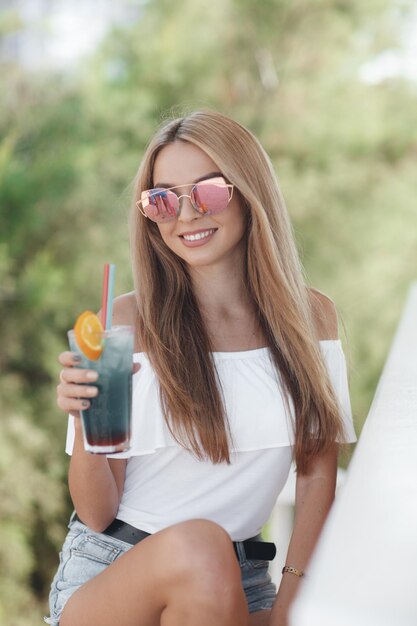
228,312
221,293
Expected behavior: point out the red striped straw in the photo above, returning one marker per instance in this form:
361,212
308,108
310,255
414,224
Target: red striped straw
105,294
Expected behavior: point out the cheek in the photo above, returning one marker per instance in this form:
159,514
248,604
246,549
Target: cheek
169,238
164,231
236,220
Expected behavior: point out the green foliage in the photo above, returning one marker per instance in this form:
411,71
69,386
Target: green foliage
69,149
31,521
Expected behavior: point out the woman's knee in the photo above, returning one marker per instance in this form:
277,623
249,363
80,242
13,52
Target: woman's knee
202,555
199,541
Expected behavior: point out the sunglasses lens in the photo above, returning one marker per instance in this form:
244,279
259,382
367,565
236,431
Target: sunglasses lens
210,197
160,205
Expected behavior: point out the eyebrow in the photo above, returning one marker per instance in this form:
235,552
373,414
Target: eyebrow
197,180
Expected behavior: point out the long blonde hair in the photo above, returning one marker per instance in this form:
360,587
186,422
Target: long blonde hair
169,322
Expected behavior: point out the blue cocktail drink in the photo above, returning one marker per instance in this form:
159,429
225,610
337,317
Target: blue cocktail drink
106,423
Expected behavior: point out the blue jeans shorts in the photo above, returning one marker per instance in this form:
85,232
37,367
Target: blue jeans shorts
86,553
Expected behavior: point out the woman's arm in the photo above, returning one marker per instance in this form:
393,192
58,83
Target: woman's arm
314,496
95,482
315,491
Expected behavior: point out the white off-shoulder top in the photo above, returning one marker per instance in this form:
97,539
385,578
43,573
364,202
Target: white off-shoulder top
166,484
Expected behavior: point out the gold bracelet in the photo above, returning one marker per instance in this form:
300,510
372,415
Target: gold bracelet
292,570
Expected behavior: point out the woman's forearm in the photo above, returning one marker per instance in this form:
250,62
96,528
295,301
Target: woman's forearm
313,505
92,485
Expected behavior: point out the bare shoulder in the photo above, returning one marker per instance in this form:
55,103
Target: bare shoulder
325,314
124,309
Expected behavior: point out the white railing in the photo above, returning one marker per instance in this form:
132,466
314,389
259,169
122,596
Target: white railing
364,569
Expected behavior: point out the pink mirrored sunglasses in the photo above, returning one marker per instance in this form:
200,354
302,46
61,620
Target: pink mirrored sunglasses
208,197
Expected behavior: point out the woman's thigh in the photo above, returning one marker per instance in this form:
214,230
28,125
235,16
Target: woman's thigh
126,592
185,564
100,578
84,555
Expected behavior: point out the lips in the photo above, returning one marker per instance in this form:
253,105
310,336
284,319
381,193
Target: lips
198,234
198,237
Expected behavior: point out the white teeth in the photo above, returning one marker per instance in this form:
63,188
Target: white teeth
206,233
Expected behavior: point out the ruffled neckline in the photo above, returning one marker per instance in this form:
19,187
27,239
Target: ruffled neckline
256,352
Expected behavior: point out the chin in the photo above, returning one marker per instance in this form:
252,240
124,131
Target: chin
202,261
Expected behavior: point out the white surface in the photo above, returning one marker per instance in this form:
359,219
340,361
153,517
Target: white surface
363,571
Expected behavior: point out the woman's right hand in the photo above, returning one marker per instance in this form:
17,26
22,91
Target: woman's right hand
72,392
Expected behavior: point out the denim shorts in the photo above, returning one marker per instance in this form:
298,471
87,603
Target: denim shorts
86,553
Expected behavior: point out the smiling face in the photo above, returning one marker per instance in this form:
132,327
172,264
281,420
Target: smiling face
213,239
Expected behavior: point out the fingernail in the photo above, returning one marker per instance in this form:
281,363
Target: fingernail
76,357
92,375
85,404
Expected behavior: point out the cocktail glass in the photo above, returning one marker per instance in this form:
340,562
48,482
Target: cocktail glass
106,424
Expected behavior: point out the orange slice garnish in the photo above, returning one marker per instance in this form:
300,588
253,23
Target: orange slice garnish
88,331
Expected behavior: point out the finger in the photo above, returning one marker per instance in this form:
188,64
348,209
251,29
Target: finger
69,359
72,405
76,375
136,367
76,391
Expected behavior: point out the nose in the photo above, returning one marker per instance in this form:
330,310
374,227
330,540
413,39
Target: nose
187,211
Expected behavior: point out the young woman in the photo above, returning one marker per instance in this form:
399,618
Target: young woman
239,371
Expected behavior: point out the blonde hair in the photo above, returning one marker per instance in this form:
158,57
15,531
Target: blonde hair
169,321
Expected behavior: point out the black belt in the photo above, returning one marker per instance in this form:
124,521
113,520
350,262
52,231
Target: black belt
254,547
